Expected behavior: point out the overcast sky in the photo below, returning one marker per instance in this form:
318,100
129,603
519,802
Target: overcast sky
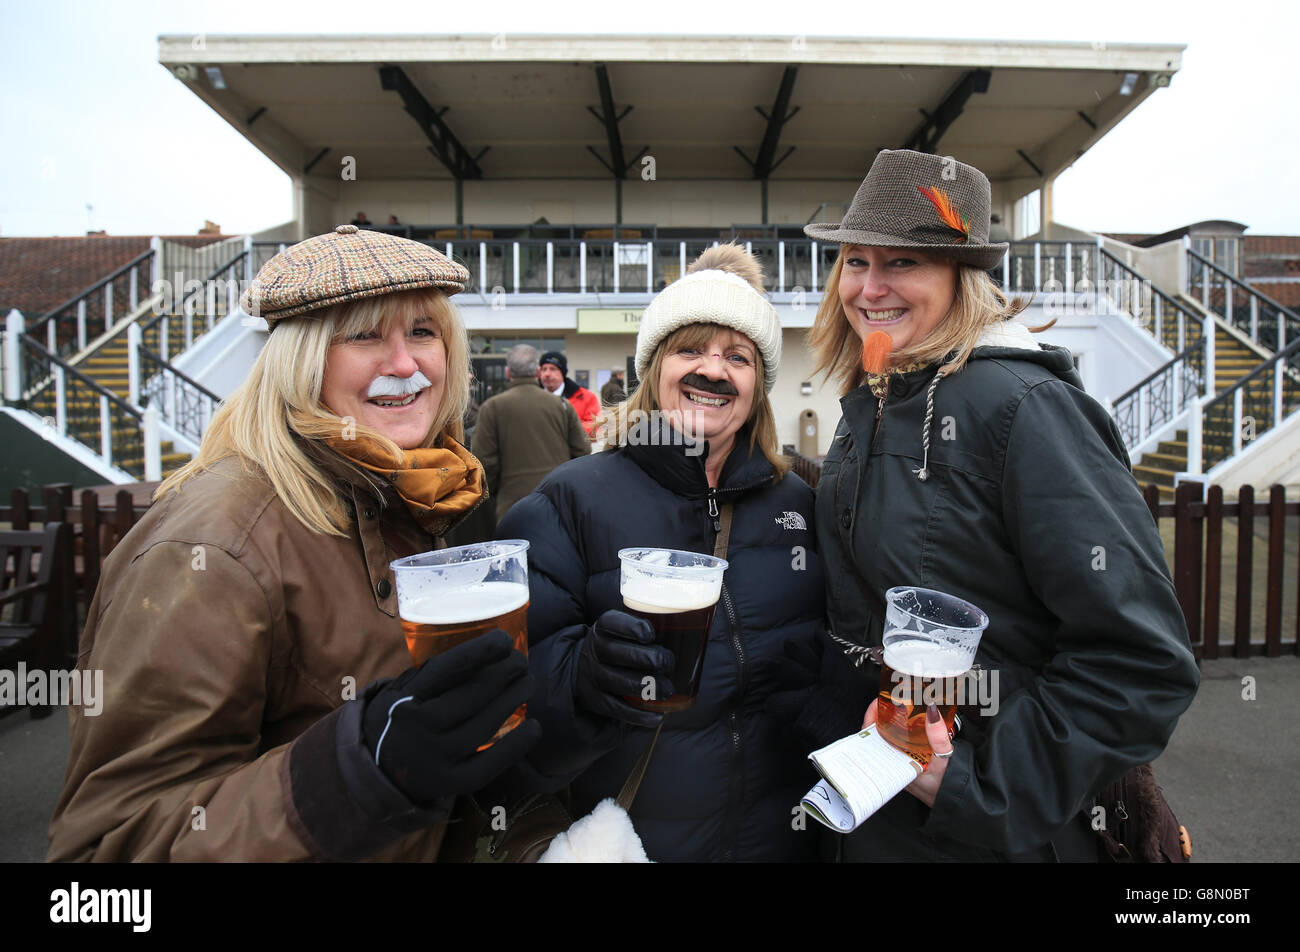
91,118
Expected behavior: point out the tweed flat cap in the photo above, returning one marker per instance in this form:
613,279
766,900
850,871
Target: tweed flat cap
347,264
917,200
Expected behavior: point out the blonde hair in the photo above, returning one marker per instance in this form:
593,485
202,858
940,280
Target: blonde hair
267,422
979,303
616,422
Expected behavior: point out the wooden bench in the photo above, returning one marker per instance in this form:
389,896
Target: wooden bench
37,612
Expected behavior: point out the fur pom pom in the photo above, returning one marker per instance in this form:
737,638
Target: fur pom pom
604,836
733,259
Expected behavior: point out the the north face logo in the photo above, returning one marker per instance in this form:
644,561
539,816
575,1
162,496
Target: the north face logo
791,520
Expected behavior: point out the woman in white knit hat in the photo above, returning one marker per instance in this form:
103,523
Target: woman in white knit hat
692,462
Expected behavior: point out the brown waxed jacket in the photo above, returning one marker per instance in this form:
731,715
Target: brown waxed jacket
232,638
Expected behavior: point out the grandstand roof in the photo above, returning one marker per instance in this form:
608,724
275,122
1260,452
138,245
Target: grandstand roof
535,103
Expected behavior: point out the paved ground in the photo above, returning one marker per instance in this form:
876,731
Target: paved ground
1230,773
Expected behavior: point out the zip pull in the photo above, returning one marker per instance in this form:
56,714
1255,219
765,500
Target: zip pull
713,503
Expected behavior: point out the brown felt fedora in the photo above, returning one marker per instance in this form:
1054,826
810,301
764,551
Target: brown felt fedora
346,264
917,200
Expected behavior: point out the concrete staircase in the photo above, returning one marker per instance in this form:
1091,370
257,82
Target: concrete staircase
108,367
1232,361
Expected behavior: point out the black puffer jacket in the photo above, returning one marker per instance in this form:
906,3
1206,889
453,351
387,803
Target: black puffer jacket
724,778
1029,511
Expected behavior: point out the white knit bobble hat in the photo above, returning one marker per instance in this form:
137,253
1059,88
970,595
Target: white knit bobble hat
712,296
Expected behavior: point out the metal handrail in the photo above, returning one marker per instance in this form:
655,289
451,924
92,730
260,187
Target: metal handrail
1268,363
66,380
196,293
97,286
168,368
41,352
1244,286
1288,320
1160,371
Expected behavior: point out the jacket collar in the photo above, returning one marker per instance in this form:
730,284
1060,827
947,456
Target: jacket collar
678,466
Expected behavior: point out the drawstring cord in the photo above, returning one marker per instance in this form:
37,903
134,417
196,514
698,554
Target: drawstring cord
924,472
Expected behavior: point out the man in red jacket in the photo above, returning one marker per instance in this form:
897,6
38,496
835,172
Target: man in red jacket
553,372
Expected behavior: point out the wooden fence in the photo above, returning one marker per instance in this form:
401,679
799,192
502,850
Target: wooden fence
96,530
1205,532
1203,558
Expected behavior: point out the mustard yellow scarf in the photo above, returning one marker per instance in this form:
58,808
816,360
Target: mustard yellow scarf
438,484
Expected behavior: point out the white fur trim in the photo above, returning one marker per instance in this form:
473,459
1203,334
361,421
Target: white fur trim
603,836
1007,334
712,297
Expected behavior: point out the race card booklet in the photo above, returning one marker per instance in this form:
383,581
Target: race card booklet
861,772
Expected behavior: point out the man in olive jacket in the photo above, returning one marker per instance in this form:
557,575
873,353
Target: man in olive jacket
524,433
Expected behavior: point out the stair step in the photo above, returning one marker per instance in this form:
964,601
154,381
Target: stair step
1152,474
1165,461
1173,447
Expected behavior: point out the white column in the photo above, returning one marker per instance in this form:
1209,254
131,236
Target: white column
1069,268
152,445
1279,368
1211,386
1236,420
550,268
681,252
616,267
60,401
1038,265
649,267
582,267
133,363
105,431
815,285
1194,451
515,246
81,323
14,325
780,266
108,305
482,267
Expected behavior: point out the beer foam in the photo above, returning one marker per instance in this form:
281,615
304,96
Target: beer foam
923,659
659,596
460,606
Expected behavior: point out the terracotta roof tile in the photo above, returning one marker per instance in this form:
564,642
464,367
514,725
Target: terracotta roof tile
39,274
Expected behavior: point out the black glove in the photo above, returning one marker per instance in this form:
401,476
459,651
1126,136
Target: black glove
616,654
820,695
425,727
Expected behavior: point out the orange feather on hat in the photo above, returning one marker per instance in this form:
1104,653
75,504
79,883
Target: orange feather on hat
875,352
949,214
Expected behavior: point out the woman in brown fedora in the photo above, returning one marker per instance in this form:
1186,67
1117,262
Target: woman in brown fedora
247,625
970,460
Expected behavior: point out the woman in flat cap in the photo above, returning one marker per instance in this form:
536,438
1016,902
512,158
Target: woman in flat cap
247,625
970,460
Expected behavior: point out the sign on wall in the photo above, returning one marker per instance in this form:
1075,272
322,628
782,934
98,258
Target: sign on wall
609,320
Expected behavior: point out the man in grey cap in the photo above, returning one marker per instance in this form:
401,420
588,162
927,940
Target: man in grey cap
523,434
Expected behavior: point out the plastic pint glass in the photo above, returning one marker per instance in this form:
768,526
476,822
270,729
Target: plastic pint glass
448,596
676,592
929,645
